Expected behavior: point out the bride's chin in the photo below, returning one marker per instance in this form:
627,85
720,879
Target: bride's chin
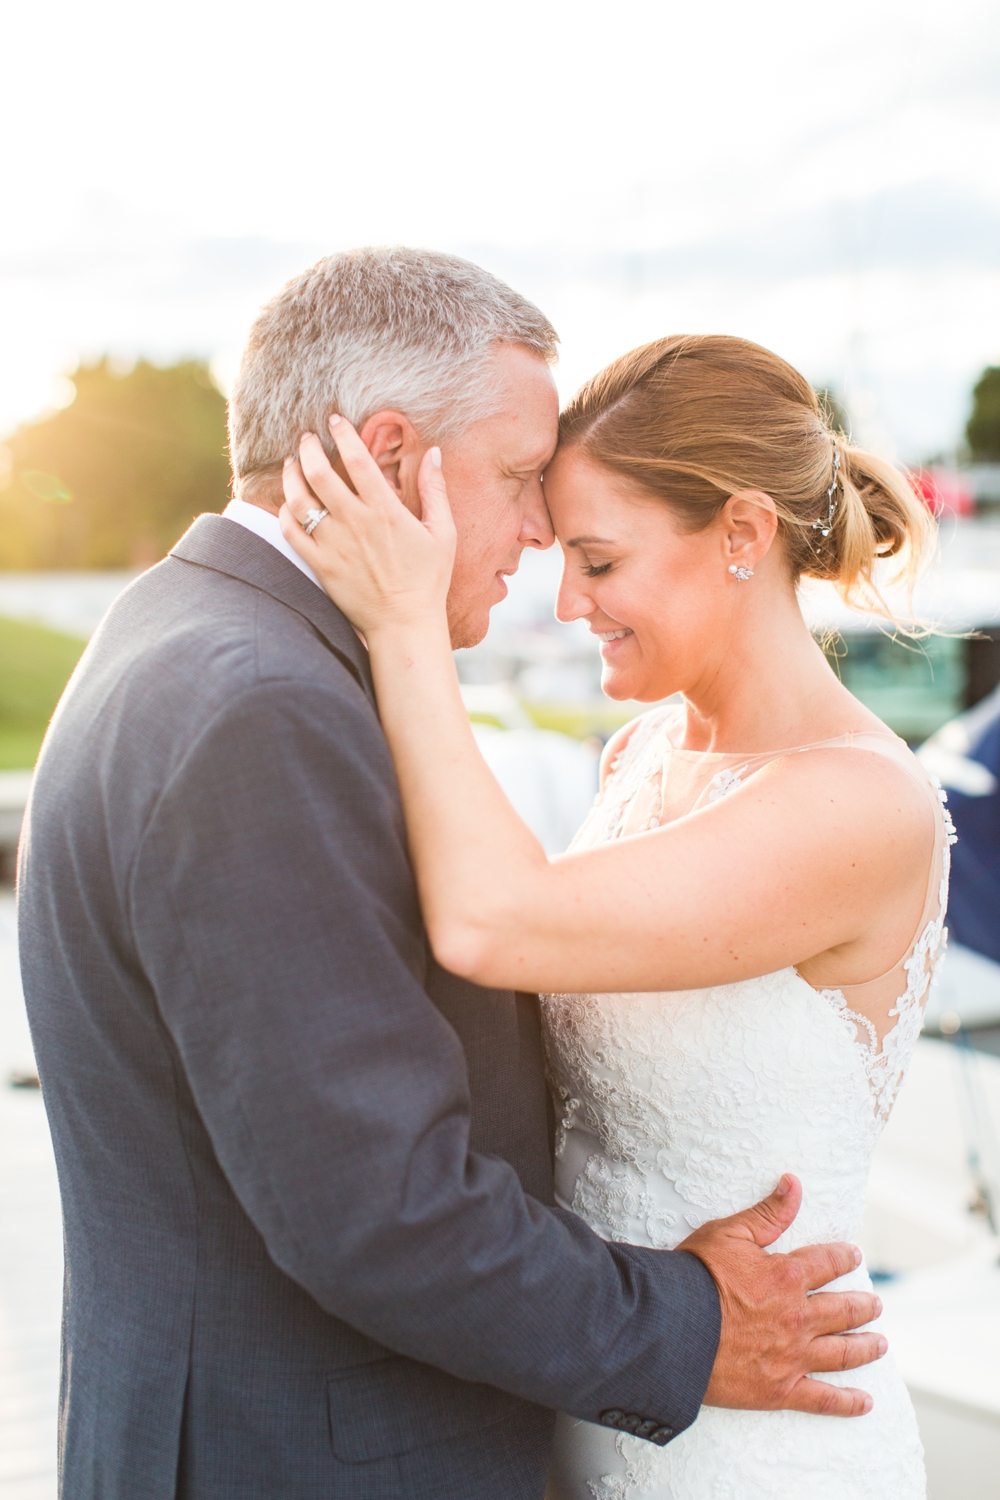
616,685
634,688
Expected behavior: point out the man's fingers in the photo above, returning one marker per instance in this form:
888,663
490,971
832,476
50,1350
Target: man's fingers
836,1312
825,1400
846,1351
772,1215
824,1263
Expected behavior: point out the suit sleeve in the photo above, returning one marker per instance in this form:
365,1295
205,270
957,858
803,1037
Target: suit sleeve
275,914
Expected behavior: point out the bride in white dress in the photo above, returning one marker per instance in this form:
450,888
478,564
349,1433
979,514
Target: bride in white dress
735,953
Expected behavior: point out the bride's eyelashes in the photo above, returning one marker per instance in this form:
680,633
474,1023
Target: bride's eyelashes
594,570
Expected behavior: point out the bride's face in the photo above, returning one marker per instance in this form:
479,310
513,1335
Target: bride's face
660,598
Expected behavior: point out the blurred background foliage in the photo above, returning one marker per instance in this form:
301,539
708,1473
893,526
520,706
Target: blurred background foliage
35,664
983,428
110,481
117,476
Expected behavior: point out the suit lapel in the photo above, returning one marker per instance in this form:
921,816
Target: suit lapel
227,547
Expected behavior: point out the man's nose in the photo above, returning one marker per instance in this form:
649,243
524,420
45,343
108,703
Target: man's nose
536,526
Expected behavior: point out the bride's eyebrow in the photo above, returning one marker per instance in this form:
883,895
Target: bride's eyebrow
589,541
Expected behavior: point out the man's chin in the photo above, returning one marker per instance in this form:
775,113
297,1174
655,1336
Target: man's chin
468,633
469,609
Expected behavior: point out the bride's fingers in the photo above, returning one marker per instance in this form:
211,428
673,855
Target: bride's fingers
362,470
435,507
294,514
825,1400
298,496
320,475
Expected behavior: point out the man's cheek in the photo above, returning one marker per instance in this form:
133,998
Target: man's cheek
498,523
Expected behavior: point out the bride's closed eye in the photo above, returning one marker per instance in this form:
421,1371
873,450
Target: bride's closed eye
594,570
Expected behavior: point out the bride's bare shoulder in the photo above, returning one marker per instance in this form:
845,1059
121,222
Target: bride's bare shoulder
875,782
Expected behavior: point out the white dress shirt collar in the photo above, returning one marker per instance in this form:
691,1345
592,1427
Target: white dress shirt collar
265,525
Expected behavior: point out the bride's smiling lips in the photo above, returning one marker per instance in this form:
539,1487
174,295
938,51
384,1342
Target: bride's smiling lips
611,639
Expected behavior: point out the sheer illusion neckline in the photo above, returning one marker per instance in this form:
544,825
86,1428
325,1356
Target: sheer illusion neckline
848,737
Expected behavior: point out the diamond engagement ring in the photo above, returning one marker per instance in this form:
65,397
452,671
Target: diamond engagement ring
312,520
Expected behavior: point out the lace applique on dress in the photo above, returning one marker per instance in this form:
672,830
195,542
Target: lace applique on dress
639,1473
689,1105
727,781
885,1066
625,776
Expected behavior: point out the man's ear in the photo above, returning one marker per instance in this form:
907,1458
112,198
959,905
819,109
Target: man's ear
394,444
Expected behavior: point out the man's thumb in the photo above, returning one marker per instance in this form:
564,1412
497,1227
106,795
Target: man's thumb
772,1215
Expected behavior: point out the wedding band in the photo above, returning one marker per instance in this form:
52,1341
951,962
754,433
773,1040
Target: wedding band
313,518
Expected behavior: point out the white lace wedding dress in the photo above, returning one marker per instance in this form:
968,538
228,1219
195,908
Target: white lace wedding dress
689,1105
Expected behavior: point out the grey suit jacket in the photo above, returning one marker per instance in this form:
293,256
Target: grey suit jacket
305,1172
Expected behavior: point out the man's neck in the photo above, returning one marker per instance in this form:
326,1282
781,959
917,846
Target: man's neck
264,499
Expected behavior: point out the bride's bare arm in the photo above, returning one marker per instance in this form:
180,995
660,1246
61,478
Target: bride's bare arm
806,857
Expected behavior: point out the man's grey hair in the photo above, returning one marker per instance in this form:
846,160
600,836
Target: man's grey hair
411,330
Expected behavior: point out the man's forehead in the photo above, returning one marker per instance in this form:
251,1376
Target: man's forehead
524,439
528,419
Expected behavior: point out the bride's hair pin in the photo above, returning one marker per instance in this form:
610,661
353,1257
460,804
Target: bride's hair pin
824,524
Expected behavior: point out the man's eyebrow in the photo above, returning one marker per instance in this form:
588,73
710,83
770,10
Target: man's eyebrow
532,463
589,541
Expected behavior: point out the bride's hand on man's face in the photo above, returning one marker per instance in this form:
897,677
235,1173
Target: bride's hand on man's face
380,564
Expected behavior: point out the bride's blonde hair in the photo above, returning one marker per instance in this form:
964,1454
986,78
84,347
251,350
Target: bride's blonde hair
693,420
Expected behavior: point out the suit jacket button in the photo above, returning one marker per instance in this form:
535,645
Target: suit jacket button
647,1428
611,1417
661,1437
631,1422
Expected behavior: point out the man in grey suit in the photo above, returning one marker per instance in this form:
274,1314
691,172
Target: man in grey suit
310,1243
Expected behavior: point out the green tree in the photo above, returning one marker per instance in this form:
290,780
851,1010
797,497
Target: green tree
982,430
114,479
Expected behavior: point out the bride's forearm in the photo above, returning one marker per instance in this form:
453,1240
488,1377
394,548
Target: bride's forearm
478,867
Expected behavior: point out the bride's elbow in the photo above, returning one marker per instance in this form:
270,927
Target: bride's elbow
466,948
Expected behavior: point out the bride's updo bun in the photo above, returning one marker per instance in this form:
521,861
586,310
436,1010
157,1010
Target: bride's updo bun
693,420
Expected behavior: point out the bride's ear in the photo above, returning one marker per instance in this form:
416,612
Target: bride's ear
750,524
394,444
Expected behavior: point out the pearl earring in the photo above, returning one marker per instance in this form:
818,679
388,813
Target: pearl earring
742,575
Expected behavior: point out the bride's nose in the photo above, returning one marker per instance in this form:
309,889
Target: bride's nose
536,523
572,603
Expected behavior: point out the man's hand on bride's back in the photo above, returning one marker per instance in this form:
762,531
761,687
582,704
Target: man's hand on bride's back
380,563
773,1332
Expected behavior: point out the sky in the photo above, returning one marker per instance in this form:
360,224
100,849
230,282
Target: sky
825,180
